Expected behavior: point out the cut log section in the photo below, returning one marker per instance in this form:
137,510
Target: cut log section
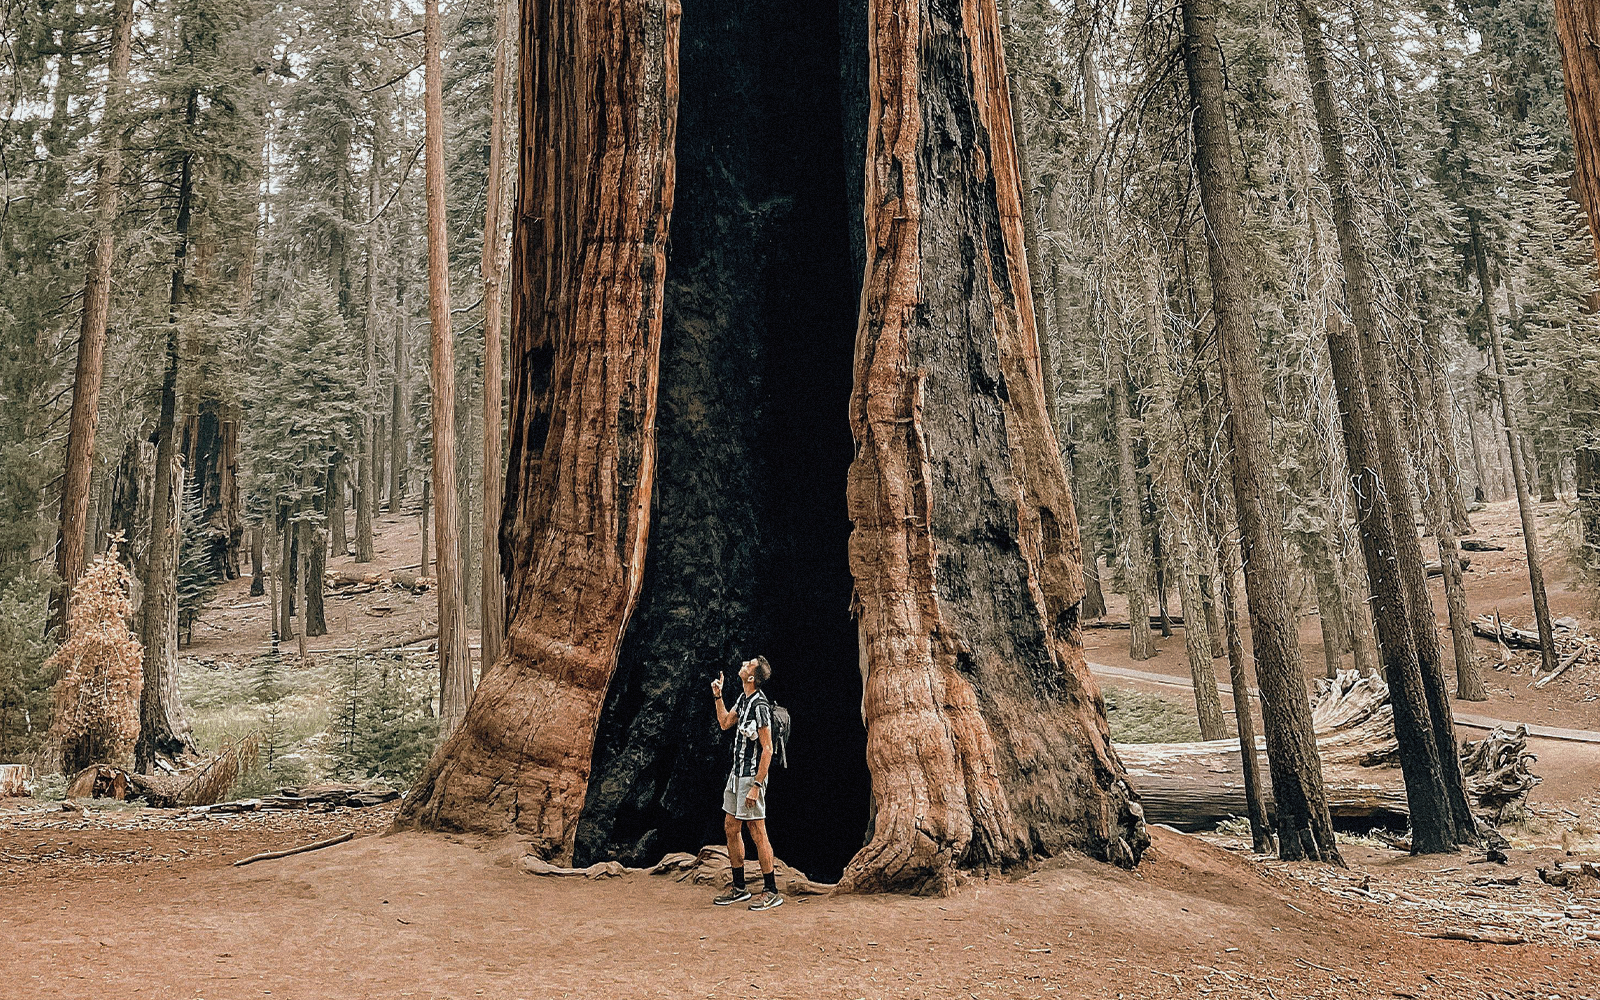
99,781
1197,785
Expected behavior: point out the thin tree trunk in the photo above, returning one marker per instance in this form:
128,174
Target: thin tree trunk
455,665
367,472
314,548
285,574
1305,828
258,569
334,507
1402,609
85,419
1161,560
275,611
1164,432
496,215
1439,508
1135,550
1479,466
1239,679
302,546
426,555
163,732
397,404
1530,535
1330,602
1436,390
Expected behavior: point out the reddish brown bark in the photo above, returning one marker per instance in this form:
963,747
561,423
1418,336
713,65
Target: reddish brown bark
70,545
492,584
1578,29
985,734
599,85
455,663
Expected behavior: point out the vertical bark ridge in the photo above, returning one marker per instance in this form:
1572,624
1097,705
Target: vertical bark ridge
985,734
599,82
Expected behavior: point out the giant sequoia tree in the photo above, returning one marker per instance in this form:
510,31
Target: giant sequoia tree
841,189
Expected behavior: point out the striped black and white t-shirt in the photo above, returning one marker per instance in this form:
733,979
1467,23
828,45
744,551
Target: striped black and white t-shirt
754,714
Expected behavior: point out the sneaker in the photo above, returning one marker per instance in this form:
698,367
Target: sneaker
733,895
768,901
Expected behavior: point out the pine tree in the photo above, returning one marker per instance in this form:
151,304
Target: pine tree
196,570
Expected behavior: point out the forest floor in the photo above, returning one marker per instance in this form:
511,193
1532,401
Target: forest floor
123,904
120,901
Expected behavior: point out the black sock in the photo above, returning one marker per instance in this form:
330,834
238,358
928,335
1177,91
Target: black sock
770,881
738,876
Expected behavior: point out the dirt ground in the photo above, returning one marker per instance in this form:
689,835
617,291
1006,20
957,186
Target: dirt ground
125,902
98,915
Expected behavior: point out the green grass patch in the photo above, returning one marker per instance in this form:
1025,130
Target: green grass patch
344,717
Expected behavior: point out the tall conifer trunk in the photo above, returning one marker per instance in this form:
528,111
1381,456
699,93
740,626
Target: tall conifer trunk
1305,829
1402,610
1578,29
368,472
496,210
1164,432
85,419
1130,510
1519,475
455,663
163,731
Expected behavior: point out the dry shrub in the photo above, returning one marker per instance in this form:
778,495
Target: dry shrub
102,672
220,773
203,784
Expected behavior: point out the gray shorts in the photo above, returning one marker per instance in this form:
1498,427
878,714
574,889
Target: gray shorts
736,802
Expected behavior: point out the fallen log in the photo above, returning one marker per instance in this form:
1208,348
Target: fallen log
408,580
1566,663
1155,622
1481,545
1498,631
1194,786
14,780
274,855
352,578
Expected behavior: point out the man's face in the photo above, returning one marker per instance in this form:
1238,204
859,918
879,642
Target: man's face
747,671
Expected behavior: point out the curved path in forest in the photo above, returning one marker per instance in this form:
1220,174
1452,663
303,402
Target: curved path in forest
1462,718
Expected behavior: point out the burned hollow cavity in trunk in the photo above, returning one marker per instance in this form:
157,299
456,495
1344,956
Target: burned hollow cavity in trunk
747,551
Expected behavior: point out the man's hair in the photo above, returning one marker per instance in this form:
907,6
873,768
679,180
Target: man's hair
763,671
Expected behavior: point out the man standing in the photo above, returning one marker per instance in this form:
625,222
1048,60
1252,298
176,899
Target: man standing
744,800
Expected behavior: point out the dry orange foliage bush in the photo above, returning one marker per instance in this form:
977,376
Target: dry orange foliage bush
102,672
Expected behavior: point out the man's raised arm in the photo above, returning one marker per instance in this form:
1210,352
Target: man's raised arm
725,718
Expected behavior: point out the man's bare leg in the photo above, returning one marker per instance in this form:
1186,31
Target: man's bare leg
758,833
735,830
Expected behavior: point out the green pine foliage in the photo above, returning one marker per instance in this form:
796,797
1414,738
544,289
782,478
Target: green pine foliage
383,726
25,681
197,580
307,406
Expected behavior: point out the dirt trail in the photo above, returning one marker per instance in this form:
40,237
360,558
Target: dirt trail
424,916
